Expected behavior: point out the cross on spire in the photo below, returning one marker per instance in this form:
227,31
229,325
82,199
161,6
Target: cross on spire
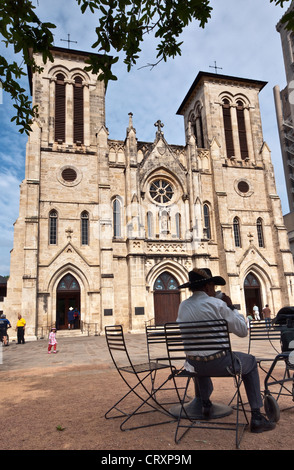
159,125
215,67
68,40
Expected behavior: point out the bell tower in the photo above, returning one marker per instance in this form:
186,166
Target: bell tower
71,102
55,230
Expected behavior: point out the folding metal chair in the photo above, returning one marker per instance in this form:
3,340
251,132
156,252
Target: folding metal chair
279,386
267,333
155,337
194,337
142,389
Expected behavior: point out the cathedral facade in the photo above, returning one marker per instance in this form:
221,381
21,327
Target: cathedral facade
113,227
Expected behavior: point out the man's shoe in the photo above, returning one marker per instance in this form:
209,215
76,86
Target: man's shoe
261,424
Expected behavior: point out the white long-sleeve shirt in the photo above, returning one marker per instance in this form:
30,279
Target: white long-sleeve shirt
202,307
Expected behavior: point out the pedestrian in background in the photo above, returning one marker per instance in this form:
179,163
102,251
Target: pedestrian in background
266,312
20,327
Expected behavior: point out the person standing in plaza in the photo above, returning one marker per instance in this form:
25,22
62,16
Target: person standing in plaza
70,318
20,327
52,340
266,312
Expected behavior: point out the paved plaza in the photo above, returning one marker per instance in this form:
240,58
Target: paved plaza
58,401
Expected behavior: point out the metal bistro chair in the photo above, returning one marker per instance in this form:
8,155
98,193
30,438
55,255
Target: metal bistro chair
146,393
285,358
267,333
182,338
155,336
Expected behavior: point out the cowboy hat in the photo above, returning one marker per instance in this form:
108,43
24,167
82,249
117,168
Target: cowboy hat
200,277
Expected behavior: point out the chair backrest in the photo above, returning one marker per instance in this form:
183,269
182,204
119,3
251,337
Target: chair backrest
155,335
116,345
263,331
191,338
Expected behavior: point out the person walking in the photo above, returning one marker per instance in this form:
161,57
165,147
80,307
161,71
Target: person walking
20,327
52,341
266,312
256,312
4,324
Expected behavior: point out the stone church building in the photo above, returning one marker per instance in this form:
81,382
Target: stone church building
113,227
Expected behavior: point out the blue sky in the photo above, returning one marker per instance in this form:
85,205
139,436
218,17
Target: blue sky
241,37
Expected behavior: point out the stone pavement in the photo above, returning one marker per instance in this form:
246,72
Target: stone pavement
92,351
82,368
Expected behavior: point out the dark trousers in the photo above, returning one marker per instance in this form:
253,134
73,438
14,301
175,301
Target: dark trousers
243,363
20,335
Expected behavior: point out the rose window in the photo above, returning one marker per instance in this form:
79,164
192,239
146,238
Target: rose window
161,191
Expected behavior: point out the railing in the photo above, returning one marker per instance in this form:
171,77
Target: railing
90,328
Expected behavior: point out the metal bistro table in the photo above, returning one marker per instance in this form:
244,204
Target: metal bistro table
193,409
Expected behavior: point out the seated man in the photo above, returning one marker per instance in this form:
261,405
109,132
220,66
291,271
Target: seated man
202,306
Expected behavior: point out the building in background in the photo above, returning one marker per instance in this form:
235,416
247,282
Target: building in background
112,227
284,102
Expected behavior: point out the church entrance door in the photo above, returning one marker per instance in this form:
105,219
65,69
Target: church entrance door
166,299
252,294
68,296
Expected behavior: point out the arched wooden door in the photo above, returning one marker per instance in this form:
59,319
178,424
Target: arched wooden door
166,299
252,293
68,296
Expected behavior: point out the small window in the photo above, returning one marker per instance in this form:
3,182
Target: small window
260,237
53,218
243,187
237,234
242,130
69,175
78,111
207,228
60,108
85,228
228,128
116,218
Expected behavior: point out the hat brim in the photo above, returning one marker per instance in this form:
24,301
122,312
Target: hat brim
216,280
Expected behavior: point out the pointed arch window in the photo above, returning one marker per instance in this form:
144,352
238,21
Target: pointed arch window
228,128
207,226
53,221
116,218
260,237
237,233
242,130
199,131
60,108
78,98
85,228
165,282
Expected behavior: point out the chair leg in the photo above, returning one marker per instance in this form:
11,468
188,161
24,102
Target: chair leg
132,390
151,396
236,426
155,407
